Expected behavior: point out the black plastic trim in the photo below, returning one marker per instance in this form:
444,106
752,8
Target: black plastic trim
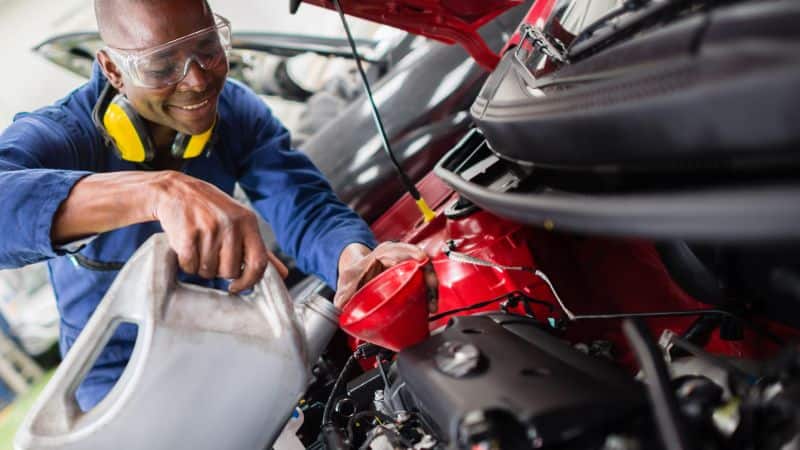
760,212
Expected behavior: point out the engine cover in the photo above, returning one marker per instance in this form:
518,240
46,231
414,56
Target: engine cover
484,369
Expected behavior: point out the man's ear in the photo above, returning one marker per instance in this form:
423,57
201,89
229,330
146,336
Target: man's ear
110,69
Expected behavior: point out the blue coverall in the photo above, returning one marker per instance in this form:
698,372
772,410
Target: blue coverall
44,153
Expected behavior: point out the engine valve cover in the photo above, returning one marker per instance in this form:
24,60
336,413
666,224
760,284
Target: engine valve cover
505,366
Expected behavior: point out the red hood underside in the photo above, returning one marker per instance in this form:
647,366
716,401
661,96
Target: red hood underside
449,21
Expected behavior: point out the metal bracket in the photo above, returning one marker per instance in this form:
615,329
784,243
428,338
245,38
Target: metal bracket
539,40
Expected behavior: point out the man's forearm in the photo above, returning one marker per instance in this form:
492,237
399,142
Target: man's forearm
104,202
211,233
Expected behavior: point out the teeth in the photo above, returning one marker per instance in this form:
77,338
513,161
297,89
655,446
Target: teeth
192,107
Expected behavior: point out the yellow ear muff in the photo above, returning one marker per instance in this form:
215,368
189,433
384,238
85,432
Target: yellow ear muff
192,146
127,130
123,131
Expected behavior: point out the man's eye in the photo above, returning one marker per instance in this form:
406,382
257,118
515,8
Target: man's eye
208,47
158,73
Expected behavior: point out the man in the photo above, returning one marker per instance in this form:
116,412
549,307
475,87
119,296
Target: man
65,177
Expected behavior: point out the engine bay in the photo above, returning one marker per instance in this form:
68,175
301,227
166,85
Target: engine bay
614,244
548,340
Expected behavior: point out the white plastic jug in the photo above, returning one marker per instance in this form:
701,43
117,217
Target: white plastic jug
209,370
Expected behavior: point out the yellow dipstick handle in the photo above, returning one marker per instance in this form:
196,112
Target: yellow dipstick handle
427,212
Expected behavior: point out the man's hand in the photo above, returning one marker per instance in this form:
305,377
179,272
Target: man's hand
213,234
358,265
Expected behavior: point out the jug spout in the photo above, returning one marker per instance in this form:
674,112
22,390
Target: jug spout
319,320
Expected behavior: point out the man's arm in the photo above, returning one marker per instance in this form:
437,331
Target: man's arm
212,233
48,198
310,223
103,202
324,235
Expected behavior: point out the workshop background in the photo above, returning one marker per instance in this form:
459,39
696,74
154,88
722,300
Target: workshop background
28,315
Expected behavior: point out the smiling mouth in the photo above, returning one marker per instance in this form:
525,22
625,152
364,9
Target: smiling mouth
193,107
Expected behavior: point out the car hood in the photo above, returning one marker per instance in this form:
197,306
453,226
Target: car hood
449,21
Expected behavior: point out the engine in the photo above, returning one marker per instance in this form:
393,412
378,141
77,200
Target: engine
500,381
521,355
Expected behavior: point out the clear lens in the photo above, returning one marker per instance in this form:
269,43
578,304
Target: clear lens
169,63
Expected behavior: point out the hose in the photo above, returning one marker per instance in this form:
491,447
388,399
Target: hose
669,421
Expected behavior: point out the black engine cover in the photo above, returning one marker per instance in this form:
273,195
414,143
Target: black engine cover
553,392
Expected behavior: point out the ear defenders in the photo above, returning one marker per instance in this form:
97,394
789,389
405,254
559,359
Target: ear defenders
126,132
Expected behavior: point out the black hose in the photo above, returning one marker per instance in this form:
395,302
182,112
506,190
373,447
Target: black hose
515,295
326,413
376,116
669,422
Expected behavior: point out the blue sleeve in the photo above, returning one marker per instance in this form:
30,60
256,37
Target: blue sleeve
310,223
38,165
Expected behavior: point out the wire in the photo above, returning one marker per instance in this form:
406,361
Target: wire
467,259
326,413
514,295
665,408
641,315
383,373
542,275
427,213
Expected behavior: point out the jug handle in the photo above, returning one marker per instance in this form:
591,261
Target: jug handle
154,264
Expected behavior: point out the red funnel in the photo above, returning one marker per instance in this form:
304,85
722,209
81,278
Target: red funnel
391,310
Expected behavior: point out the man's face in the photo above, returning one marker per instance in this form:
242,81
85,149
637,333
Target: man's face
190,106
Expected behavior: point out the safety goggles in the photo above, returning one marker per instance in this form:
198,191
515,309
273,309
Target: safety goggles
168,63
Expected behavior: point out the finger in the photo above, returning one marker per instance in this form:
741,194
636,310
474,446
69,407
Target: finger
371,269
393,253
343,294
255,262
187,251
283,271
349,284
350,280
209,255
432,285
231,257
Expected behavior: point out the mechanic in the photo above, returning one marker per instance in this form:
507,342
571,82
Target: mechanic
169,140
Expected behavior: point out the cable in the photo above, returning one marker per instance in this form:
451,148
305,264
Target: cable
326,413
667,414
383,373
566,310
516,295
426,211
467,259
640,315
464,258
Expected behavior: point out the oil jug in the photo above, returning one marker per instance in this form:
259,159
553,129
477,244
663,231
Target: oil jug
209,370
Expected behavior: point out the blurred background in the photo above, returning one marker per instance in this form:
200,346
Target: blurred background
34,75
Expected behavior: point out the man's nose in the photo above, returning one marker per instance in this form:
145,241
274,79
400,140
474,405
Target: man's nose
196,78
